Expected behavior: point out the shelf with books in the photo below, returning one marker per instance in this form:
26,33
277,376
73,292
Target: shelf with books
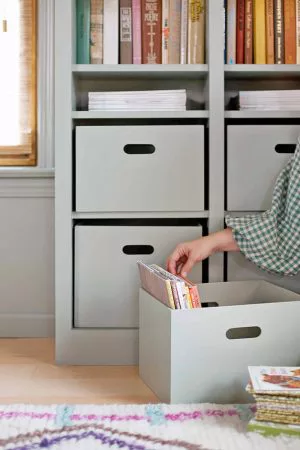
193,114
261,32
270,71
262,114
159,71
140,31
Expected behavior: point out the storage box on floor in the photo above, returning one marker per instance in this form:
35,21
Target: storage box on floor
202,355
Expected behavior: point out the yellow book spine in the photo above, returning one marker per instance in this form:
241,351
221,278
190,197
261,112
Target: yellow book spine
188,296
259,31
170,294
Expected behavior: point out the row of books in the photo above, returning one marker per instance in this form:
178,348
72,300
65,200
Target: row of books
276,391
140,31
276,100
262,32
173,291
155,100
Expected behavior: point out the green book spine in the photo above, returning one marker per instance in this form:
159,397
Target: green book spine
83,15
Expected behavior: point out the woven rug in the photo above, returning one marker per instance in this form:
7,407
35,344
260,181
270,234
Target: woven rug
134,427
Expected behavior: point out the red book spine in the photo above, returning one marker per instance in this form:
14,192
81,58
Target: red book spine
248,31
151,31
137,31
240,31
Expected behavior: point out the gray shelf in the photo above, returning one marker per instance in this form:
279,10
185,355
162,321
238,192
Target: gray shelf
140,114
141,215
242,71
158,71
262,114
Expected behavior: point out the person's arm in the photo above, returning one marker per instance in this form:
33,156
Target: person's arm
187,254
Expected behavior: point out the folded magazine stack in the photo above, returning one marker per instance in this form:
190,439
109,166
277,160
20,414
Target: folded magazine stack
276,391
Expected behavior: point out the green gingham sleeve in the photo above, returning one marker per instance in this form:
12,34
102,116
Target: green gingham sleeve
271,240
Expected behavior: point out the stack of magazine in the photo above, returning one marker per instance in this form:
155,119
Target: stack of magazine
276,100
153,100
173,291
277,394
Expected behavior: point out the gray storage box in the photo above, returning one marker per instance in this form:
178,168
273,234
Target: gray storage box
202,355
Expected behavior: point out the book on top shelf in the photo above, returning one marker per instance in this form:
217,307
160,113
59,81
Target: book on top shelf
140,31
262,31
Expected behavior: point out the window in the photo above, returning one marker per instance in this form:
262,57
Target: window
18,83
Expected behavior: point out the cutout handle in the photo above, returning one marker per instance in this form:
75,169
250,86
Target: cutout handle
209,304
285,148
139,149
243,333
138,249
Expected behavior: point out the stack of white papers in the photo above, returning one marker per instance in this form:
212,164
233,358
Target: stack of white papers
162,100
269,100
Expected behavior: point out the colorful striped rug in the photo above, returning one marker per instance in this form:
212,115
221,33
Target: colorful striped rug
133,427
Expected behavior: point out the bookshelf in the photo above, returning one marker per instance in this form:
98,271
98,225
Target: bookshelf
209,86
257,71
140,114
160,71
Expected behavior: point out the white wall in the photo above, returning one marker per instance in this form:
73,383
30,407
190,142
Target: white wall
26,257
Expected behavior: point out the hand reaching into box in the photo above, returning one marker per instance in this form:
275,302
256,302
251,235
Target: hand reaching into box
187,254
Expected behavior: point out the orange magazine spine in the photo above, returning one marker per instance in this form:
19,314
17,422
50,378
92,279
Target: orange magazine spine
290,44
270,32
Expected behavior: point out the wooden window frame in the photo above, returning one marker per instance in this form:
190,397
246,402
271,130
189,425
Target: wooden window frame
15,155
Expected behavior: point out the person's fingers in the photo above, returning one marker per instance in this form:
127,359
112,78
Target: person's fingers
180,263
174,259
187,267
172,263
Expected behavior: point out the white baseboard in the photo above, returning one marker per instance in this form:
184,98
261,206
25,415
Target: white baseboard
26,325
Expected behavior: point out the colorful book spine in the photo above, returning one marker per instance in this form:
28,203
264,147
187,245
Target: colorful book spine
279,32
83,22
240,29
125,31
290,48
270,31
136,32
165,31
298,29
184,31
259,32
151,31
249,32
96,31
110,32
231,31
175,28
196,32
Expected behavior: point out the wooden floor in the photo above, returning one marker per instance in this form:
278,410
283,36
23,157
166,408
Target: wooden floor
28,374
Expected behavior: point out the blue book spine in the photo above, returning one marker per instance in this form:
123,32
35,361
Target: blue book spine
83,16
